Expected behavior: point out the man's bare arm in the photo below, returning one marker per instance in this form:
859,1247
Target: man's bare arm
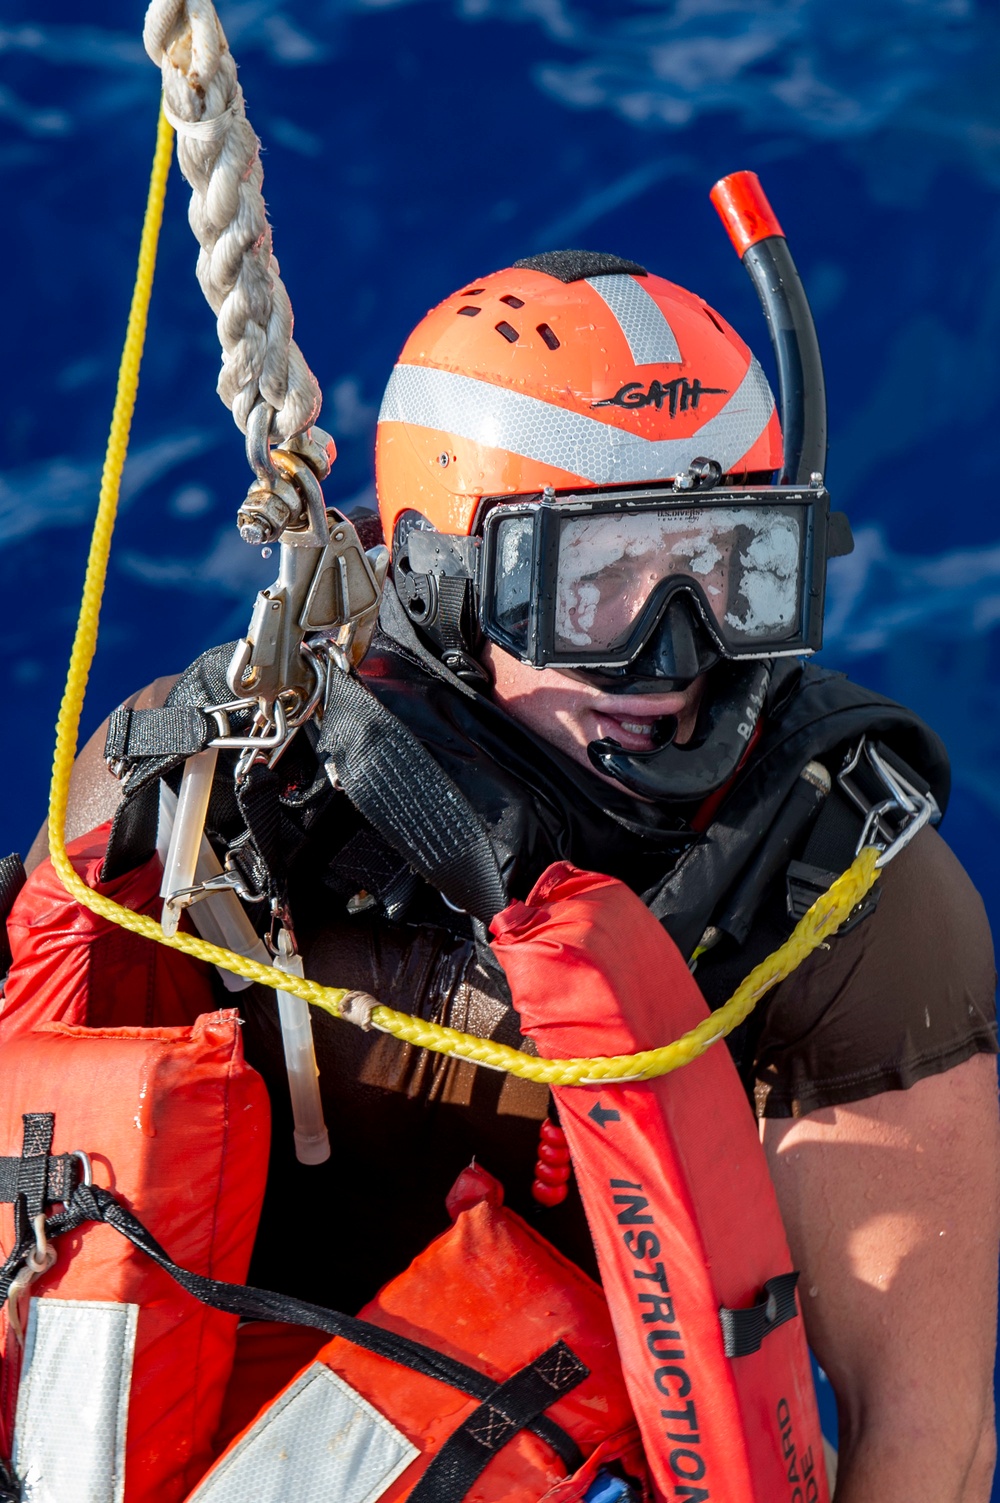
892,1208
94,794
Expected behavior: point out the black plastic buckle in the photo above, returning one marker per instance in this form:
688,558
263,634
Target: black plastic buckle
805,883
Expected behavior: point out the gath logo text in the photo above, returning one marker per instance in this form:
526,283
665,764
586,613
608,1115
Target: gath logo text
679,395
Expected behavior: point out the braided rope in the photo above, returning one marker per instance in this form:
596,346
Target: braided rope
219,155
823,919
85,640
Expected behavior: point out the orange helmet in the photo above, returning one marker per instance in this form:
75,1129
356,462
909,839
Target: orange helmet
571,370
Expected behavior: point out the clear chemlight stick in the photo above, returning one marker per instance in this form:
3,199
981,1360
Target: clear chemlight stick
185,837
220,918
312,1141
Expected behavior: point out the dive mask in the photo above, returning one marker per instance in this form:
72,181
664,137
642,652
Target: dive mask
585,582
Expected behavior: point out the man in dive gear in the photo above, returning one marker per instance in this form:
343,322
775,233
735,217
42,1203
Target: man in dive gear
600,605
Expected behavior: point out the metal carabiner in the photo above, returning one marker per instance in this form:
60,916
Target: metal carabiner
923,816
263,741
916,809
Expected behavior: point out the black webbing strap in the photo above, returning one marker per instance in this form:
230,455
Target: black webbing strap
257,795
12,879
510,1408
33,1165
367,862
92,1203
744,1330
829,851
133,831
401,791
833,838
61,1174
29,1186
173,730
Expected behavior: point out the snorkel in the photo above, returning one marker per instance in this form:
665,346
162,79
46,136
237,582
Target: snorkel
760,243
729,715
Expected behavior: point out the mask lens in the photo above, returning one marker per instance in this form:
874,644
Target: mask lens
513,577
746,563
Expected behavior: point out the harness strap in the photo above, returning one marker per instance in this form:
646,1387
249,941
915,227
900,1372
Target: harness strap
172,731
403,794
834,836
93,1203
257,795
833,840
31,1169
61,1174
133,831
365,863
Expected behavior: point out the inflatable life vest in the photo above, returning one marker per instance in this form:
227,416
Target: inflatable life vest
509,1385
123,1372
490,1293
488,1370
685,1221
505,1383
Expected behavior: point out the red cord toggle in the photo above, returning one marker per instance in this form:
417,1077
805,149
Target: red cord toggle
553,1167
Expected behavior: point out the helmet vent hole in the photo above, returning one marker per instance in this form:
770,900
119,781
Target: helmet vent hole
469,312
550,338
714,319
513,302
472,292
504,328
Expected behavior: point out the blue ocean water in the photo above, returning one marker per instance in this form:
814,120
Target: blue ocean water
414,144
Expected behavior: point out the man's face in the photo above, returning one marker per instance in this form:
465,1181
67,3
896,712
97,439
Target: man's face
569,713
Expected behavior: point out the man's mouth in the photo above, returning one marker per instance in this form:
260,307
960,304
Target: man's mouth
632,732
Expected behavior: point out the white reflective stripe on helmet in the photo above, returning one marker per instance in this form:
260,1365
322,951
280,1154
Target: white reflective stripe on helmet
599,452
640,318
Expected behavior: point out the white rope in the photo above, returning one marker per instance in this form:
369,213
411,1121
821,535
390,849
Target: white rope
219,155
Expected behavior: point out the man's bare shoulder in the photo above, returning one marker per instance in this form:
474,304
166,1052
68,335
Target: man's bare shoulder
908,992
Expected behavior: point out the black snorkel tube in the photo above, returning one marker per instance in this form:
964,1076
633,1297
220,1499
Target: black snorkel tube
760,243
669,772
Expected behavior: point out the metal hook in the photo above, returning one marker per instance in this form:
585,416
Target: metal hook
259,443
38,1261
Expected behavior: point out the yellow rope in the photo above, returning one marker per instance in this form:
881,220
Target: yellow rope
823,918
85,640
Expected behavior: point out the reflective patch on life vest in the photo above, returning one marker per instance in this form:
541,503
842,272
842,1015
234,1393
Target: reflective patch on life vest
72,1405
320,1440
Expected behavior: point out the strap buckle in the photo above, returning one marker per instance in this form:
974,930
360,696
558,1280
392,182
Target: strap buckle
892,820
41,1256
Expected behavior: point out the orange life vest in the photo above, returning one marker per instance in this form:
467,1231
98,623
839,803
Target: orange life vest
680,1204
125,1374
